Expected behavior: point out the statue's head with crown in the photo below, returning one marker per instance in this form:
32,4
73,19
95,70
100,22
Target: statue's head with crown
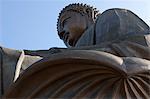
73,21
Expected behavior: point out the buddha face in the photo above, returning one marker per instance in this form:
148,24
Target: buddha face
73,25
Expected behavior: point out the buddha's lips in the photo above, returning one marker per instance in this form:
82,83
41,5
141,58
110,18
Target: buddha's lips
72,42
69,41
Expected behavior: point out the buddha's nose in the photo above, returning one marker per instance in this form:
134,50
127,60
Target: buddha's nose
64,35
61,33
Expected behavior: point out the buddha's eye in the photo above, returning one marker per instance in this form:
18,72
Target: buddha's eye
65,21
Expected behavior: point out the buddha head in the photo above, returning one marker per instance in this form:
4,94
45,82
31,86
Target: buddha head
73,21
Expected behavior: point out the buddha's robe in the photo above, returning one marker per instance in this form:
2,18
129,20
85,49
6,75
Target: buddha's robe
119,32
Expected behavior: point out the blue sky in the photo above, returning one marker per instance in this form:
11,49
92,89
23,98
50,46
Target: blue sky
31,24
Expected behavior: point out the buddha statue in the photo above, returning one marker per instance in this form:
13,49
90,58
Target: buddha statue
108,56
113,31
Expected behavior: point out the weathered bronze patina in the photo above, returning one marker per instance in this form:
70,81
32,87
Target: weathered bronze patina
108,57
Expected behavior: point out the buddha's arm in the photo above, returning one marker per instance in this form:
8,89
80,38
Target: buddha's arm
121,49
